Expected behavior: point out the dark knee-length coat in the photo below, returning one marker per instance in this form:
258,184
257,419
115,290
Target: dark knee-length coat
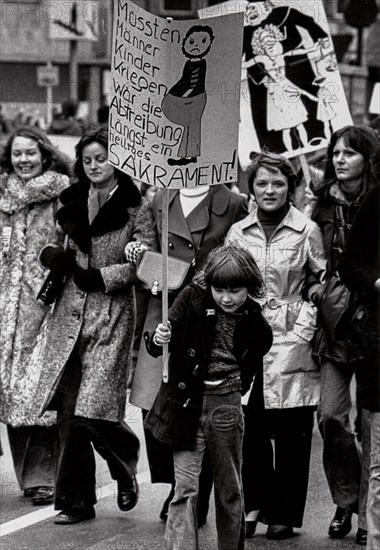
99,324
190,239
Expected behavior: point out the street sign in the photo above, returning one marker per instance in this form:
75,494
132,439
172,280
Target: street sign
74,20
47,76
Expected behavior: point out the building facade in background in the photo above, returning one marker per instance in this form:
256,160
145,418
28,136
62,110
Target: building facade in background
25,45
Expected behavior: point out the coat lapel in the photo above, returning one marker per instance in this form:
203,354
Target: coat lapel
206,313
112,216
73,216
177,222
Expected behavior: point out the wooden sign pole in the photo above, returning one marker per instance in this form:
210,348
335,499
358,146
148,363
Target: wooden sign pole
165,230
305,169
164,250
307,175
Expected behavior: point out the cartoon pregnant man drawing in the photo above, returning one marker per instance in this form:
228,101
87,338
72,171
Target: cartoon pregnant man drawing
186,100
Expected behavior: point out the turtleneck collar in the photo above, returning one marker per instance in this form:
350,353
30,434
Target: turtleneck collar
271,220
274,217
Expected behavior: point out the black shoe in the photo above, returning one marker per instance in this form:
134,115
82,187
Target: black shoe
250,528
75,515
127,497
28,493
340,525
276,531
165,507
43,496
361,537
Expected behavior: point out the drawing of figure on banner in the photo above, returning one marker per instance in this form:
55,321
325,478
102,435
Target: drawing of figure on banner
186,100
285,108
291,51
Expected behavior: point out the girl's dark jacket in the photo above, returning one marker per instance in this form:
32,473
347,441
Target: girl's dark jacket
174,416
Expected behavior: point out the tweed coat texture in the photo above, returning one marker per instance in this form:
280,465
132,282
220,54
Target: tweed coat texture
100,324
190,239
291,376
27,224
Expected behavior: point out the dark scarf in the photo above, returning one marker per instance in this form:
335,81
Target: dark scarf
73,216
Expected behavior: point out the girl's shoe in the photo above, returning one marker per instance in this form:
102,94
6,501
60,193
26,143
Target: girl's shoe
250,528
276,531
43,496
75,515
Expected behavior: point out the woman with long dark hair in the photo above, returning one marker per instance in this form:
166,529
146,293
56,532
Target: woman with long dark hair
90,332
346,182
33,175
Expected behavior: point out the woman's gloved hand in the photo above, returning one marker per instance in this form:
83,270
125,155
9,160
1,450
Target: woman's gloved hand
89,280
58,259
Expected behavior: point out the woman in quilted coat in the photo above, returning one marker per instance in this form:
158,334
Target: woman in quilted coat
90,331
33,177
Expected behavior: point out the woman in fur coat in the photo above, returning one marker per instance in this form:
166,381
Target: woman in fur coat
33,175
90,332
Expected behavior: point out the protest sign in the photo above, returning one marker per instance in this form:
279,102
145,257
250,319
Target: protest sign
74,20
293,97
174,98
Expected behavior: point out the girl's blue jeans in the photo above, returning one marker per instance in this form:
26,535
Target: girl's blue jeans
220,430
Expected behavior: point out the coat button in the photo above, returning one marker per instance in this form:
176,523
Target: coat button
182,385
76,315
190,245
191,352
170,245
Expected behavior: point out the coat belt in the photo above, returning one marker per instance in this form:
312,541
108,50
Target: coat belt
274,303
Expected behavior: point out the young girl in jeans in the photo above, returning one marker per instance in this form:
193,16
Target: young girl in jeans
217,340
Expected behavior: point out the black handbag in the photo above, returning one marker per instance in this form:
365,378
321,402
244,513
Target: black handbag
51,288
53,284
352,325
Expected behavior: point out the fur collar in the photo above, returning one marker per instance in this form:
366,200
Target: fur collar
73,216
338,196
44,188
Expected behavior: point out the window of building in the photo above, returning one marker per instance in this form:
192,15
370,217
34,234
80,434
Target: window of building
178,7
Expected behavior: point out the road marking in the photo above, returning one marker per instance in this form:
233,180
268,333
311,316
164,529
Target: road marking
48,512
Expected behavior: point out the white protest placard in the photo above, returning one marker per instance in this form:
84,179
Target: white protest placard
175,93
292,96
293,88
74,20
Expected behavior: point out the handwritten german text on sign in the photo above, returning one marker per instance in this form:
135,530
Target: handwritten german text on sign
175,90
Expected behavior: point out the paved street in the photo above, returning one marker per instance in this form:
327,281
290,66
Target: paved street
32,528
